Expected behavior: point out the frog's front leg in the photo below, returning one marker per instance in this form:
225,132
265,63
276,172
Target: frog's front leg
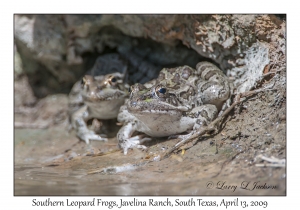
78,120
202,116
126,141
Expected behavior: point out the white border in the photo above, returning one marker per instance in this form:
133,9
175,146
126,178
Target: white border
8,201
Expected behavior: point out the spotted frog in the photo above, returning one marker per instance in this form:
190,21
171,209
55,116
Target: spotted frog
180,100
99,96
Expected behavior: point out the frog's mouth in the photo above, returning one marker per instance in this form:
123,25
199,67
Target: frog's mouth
153,106
105,96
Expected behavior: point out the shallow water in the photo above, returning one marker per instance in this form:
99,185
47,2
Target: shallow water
33,180
51,181
53,162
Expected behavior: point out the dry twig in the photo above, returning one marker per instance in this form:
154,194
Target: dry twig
31,125
273,162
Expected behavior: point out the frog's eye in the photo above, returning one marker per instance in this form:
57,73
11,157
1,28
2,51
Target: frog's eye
113,79
162,90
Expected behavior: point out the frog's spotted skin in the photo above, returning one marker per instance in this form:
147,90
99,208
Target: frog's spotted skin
180,100
98,97
214,85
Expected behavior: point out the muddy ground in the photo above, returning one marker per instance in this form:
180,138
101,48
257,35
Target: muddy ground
49,160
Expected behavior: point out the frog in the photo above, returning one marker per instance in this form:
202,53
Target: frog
98,96
177,103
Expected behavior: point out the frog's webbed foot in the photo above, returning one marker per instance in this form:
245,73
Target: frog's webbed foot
184,137
126,141
175,136
135,141
83,132
87,135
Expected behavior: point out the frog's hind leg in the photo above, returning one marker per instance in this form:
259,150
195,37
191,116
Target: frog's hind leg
214,87
203,116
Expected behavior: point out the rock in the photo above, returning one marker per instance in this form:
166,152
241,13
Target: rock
65,45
